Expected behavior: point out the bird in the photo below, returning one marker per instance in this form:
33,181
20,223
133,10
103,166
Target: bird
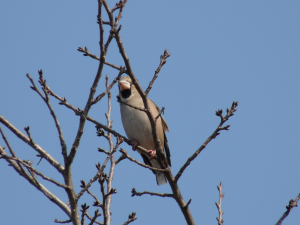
138,128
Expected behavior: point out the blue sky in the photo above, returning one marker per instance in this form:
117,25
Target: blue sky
222,51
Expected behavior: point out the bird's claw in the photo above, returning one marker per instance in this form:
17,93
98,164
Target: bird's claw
152,153
134,144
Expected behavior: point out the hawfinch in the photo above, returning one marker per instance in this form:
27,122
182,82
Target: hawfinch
138,128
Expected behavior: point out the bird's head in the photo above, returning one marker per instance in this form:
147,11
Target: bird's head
126,88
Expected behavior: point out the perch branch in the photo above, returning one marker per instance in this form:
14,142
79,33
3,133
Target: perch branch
142,164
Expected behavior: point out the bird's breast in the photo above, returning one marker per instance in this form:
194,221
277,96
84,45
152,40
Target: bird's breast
137,126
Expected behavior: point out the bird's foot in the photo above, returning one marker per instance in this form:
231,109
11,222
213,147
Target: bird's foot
134,144
152,153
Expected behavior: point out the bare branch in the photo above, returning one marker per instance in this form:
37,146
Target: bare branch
101,29
158,146
98,174
100,133
214,135
101,180
135,193
99,97
62,221
120,159
35,146
7,143
83,211
125,103
94,196
109,13
10,149
292,204
142,164
28,134
93,220
162,62
37,185
160,112
221,195
107,197
63,101
131,218
120,5
102,150
47,101
87,53
159,150
32,169
88,105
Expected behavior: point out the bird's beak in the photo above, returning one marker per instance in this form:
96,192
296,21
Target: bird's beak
124,85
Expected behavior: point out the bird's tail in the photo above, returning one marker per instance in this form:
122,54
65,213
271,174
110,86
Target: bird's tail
160,178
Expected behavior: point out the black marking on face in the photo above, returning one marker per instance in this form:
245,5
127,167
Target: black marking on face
126,93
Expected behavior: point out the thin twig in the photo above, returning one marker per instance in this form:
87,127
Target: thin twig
93,220
83,210
98,174
87,53
122,157
35,146
214,135
292,204
125,103
10,149
94,196
32,169
160,112
131,218
135,193
46,99
62,221
221,195
99,97
162,62
88,105
7,143
142,164
102,150
120,5
37,185
107,198
101,180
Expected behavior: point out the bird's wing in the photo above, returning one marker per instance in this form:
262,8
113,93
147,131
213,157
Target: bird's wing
165,128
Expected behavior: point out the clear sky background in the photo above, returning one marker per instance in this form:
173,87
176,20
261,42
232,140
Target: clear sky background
222,51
